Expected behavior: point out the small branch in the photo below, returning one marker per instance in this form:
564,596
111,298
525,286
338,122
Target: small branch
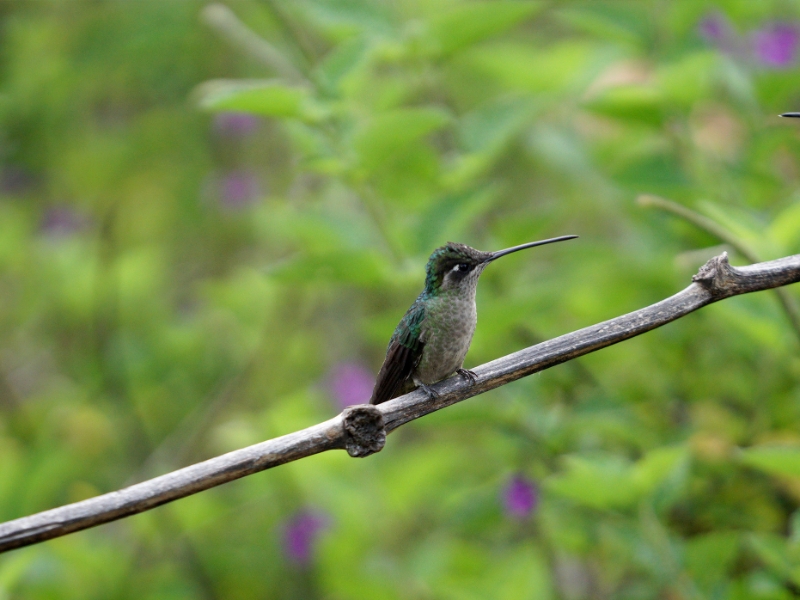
700,221
718,231
227,24
362,429
295,33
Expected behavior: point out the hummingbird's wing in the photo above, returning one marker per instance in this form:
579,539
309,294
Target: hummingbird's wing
402,356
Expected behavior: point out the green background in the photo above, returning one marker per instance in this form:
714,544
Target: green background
171,290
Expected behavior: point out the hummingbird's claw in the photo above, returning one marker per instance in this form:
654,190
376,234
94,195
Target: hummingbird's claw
432,394
470,376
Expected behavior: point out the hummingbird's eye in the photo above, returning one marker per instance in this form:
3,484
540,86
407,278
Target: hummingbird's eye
462,267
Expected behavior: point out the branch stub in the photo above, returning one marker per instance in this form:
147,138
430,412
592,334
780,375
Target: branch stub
364,430
715,276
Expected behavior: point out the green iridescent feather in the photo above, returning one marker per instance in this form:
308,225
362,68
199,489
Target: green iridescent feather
410,328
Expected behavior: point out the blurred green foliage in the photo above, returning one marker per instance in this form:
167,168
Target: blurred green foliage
209,216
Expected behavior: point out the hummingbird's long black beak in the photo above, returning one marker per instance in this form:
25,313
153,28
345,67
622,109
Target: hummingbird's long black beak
499,253
797,114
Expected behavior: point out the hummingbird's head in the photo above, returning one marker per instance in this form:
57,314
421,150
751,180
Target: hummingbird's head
456,267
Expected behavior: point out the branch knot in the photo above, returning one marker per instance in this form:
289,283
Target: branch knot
717,276
364,430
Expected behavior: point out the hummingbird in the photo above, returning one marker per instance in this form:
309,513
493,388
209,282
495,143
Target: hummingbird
433,337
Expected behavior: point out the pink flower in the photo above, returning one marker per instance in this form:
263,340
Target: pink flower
300,535
235,124
350,383
775,45
238,190
717,29
520,497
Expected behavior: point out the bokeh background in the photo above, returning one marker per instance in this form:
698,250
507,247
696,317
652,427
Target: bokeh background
213,216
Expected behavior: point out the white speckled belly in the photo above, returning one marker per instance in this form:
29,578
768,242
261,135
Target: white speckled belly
447,332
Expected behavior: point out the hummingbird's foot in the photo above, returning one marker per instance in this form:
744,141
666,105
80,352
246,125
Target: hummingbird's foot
470,376
432,394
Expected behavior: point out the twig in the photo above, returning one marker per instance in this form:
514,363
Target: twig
701,221
362,429
295,33
227,24
718,231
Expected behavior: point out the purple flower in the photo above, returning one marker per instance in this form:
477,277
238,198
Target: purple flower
775,45
237,190
350,383
716,28
300,534
62,221
520,497
235,124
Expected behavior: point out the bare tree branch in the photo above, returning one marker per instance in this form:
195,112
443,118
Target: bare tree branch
720,232
361,430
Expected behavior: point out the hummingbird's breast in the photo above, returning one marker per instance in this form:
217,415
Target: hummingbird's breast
447,333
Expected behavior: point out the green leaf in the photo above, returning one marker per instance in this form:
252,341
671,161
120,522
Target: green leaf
609,482
475,21
708,557
341,61
565,66
635,103
489,127
776,460
523,574
605,24
271,98
450,216
395,132
690,79
738,222
359,268
776,555
14,569
785,228
658,466
600,482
